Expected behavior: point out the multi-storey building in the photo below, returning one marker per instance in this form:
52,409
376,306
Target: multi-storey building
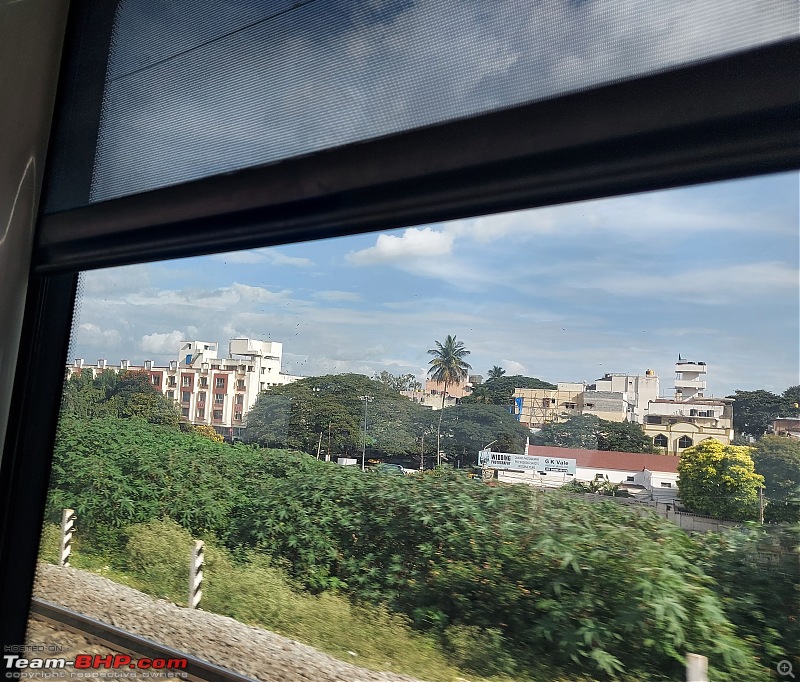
209,389
673,424
636,390
690,417
536,407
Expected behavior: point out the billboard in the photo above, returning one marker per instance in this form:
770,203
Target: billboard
511,462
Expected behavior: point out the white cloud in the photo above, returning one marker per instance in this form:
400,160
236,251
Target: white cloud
90,333
161,344
414,243
513,367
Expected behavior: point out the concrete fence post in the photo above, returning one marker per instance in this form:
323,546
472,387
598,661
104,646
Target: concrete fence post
67,529
696,668
196,574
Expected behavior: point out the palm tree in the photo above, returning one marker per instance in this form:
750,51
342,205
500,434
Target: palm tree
496,372
447,367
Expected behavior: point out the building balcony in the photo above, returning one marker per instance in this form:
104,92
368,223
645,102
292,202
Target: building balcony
697,384
696,367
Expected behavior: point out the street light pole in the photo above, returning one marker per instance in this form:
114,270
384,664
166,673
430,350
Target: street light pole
367,399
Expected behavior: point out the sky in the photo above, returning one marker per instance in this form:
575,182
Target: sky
564,293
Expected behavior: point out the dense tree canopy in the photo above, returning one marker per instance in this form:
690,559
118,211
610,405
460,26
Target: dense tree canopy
128,395
296,415
777,459
398,382
719,480
754,411
592,433
499,391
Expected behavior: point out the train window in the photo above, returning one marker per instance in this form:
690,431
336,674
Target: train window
213,88
409,497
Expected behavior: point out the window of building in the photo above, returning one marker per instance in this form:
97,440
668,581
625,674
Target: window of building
219,382
684,442
185,396
186,381
237,416
219,398
171,381
156,379
653,419
218,414
203,382
201,397
660,441
185,411
214,366
240,383
598,477
171,395
666,484
629,479
570,406
240,399
201,412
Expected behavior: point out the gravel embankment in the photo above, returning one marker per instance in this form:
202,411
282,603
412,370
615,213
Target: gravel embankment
259,654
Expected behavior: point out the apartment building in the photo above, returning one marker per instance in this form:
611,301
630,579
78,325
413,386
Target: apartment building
210,389
536,407
673,424
690,417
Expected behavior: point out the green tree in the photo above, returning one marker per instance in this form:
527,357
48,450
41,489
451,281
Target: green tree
623,437
399,382
777,459
135,396
496,372
83,398
579,431
791,397
588,432
754,411
298,414
500,391
467,428
448,367
719,480
130,395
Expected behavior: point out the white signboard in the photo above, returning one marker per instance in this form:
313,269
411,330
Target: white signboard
512,462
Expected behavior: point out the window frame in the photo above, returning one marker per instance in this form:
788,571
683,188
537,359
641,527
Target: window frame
728,117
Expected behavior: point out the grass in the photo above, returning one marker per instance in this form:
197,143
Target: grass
257,593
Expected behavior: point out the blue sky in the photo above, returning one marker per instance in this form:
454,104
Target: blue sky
562,293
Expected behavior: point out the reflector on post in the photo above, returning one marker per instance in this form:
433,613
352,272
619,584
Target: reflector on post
67,529
196,574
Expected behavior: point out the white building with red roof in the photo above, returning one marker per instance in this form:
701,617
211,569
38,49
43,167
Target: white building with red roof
654,475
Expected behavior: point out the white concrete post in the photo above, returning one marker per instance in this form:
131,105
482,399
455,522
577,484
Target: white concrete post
67,529
196,574
696,668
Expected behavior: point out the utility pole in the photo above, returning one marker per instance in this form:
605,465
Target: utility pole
319,445
367,399
328,458
761,505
